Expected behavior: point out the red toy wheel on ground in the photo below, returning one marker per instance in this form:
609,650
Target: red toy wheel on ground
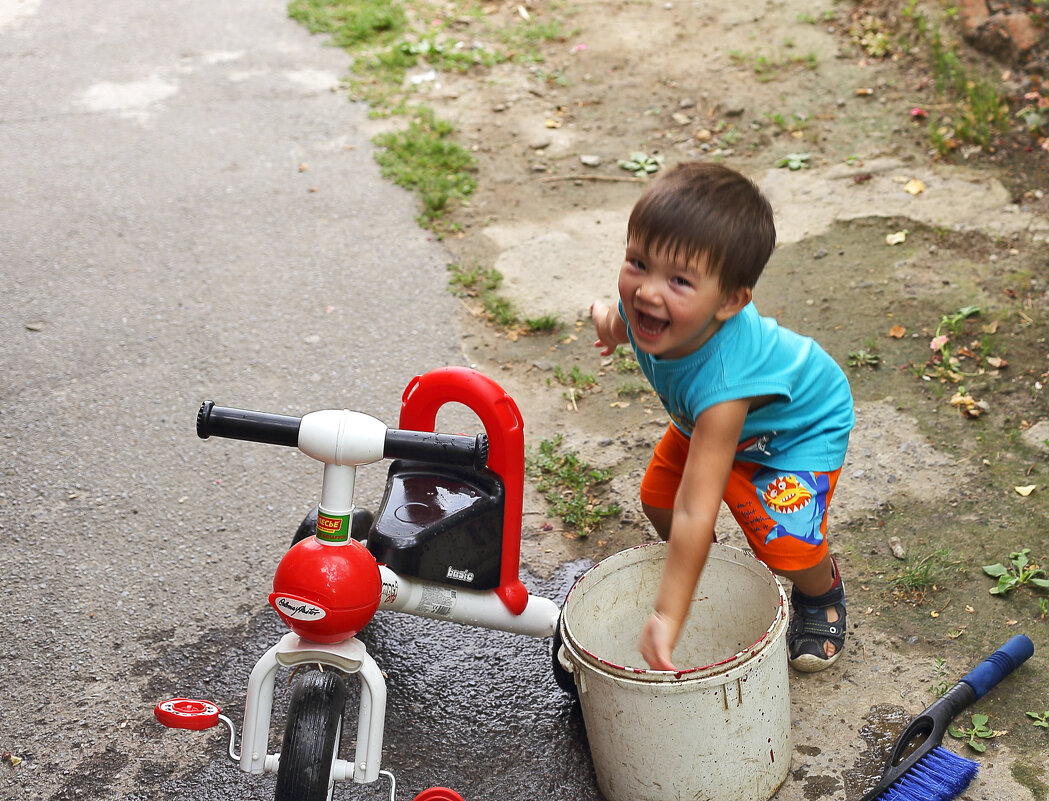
438,794
187,713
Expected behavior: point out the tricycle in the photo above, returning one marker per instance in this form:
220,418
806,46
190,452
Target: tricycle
443,544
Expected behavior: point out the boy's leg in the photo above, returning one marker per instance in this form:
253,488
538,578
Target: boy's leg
784,516
659,518
659,486
818,622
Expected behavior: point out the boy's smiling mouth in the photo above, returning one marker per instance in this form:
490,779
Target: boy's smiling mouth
650,327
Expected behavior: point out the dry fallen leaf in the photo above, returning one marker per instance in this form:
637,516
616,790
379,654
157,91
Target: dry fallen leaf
896,239
897,332
914,187
552,123
968,405
997,362
1026,490
897,548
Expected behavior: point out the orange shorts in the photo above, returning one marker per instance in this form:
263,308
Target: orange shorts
783,513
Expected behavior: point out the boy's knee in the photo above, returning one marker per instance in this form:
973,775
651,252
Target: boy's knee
660,519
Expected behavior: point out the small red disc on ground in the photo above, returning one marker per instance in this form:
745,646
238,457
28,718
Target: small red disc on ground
187,713
438,794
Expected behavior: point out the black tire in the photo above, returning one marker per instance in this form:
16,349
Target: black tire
563,678
311,737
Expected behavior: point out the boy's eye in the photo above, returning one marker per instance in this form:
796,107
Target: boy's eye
638,264
680,280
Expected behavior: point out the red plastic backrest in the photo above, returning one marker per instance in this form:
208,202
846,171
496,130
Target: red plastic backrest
503,424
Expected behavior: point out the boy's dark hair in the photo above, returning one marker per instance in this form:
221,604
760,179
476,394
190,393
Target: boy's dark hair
702,210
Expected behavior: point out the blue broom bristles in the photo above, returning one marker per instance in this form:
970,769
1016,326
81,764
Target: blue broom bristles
938,776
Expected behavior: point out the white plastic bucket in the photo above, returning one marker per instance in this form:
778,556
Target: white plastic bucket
718,730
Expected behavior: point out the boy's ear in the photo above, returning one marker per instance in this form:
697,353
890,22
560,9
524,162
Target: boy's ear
732,302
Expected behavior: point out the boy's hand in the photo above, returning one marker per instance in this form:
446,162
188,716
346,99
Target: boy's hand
605,319
656,643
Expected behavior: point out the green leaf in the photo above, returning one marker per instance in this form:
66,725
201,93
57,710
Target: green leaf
956,732
976,745
995,570
1040,582
794,161
979,720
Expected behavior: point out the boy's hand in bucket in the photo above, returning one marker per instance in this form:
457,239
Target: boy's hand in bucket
657,642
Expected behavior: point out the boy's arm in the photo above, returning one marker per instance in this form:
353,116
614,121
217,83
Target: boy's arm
610,327
710,455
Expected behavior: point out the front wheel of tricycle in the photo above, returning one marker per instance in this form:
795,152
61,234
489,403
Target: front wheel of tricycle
311,738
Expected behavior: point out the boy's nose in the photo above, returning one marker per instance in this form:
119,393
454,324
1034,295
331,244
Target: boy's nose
648,291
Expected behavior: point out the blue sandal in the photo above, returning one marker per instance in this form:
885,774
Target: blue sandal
810,630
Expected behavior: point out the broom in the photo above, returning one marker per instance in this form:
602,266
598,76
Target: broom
931,772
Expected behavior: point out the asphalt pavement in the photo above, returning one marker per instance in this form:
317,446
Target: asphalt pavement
190,210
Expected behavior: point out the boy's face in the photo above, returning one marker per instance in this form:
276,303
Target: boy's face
673,307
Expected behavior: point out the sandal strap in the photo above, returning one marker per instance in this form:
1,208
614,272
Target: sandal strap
807,624
821,629
832,597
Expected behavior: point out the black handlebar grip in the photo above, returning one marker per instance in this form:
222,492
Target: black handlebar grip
223,421
424,446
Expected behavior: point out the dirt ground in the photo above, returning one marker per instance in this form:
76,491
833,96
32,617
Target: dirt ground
869,263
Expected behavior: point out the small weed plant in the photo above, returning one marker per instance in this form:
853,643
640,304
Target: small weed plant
426,159
1019,572
864,358
351,24
568,484
981,109
1039,719
473,281
795,161
641,164
576,383
768,67
482,284
632,389
940,683
575,378
957,355
920,574
545,323
624,361
975,733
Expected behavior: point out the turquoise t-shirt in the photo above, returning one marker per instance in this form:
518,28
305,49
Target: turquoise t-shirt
807,424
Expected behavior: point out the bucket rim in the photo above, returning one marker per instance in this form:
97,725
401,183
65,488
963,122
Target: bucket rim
719,668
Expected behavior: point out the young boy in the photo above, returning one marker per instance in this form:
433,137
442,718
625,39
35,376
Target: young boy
760,416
